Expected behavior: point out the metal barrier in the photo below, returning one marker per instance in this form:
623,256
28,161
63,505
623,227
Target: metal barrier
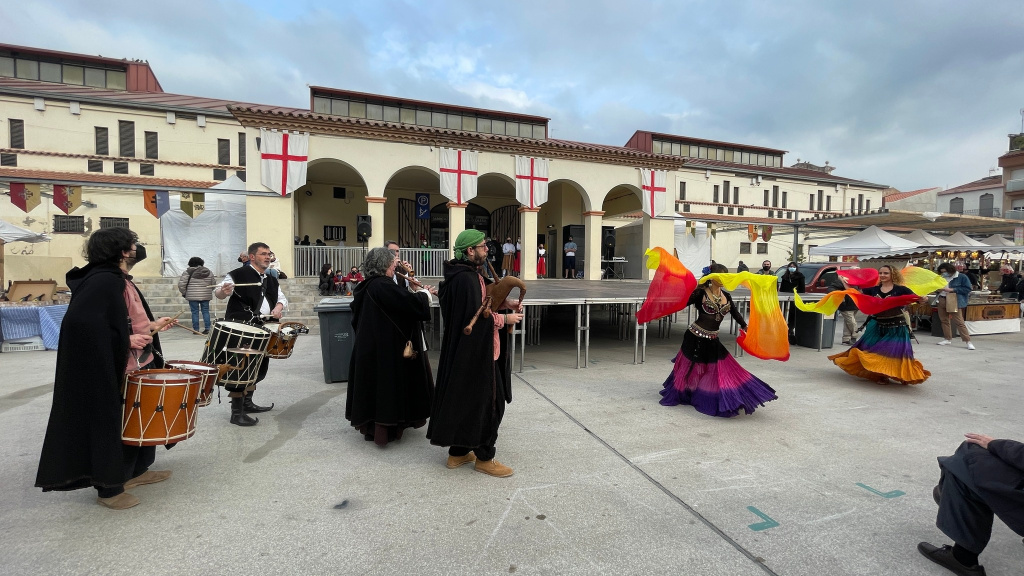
308,259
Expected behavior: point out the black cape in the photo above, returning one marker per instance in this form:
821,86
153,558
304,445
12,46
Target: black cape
82,446
472,387
997,475
383,387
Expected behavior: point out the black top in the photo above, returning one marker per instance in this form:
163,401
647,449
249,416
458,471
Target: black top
897,290
791,280
246,301
711,313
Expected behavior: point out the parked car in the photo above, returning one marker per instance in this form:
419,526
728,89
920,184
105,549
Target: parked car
818,276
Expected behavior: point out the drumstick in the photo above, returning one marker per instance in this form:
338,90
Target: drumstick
189,329
245,284
151,332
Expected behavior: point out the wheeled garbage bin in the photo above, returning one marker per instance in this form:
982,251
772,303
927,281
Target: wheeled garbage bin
337,337
814,330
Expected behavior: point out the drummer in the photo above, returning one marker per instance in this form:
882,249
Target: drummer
97,347
251,304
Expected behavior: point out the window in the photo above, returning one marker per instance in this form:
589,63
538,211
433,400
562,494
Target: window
126,131
8,160
810,205
357,109
407,116
455,122
117,80
241,148
853,205
729,155
27,69
438,120
95,165
95,78
783,198
820,193
469,123
860,203
68,224
334,233
985,205
657,147
765,197
6,67
391,114
677,149
321,105
744,247
49,72
682,190
73,74
17,133
762,248
223,151
512,128
956,206
102,143
775,196
497,126
147,169
152,148
483,125
220,174
828,203
716,194
725,192
109,222
867,205
120,167
736,196
374,112
339,107
423,117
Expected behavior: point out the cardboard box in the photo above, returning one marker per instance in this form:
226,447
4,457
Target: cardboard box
36,290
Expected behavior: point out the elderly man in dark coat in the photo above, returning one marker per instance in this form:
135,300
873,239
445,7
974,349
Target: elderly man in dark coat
83,445
388,392
473,376
983,479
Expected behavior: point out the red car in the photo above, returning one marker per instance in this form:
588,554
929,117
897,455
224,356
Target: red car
818,276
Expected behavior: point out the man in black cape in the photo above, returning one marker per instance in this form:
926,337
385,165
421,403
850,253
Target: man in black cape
474,373
251,304
983,479
387,392
83,445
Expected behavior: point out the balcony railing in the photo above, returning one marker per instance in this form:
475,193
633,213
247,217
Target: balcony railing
989,212
308,259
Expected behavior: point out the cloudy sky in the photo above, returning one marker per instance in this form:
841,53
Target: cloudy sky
909,93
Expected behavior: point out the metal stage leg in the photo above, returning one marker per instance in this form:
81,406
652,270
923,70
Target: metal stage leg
522,340
586,334
512,360
579,328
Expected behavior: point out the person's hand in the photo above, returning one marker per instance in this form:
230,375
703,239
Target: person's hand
430,289
277,312
163,323
139,341
979,439
227,289
513,318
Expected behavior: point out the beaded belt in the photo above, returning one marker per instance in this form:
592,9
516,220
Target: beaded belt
698,331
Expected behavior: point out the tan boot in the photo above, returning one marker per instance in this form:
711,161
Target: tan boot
148,477
456,461
493,468
122,501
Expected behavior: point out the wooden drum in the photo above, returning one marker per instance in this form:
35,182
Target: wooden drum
283,337
209,372
159,406
238,349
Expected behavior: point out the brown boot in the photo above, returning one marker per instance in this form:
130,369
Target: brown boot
122,501
492,468
148,477
456,461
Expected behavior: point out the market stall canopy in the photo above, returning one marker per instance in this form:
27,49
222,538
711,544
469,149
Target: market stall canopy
11,233
960,239
934,222
867,242
925,239
1000,241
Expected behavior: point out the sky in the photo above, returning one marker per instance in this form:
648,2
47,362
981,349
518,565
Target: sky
909,93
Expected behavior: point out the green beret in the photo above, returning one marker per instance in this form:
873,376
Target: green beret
466,239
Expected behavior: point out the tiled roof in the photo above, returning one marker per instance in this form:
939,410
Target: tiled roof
119,159
901,195
982,184
150,100
100,179
800,173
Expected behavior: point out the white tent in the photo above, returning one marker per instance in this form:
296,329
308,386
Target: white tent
962,240
872,240
925,239
694,251
217,235
997,240
11,233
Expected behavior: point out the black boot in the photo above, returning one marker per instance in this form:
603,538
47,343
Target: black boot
238,415
251,408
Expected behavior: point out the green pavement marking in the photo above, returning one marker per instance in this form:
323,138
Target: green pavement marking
768,522
893,494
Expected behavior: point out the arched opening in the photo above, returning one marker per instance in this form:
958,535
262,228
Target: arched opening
559,218
327,205
622,233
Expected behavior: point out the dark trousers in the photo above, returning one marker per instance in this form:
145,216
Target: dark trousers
486,450
137,459
963,515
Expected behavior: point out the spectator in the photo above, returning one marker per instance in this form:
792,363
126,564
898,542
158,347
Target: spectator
196,285
569,250
275,267
305,240
981,480
326,284
741,267
975,281
508,252
542,264
793,279
1010,281
243,257
766,268
320,242
952,299
848,310
351,280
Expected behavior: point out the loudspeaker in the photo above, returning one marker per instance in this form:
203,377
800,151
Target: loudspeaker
609,240
363,228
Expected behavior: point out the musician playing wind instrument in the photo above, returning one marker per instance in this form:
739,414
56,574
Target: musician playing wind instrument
474,373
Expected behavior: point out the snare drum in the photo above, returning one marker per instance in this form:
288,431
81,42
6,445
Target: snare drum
283,337
159,406
209,372
243,369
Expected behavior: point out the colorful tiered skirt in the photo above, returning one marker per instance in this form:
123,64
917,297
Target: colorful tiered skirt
883,354
708,378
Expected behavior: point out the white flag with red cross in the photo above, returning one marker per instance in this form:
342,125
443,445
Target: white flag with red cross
531,181
458,175
653,191
283,159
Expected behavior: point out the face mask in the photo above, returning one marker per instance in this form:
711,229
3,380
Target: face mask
765,267
946,275
791,269
140,255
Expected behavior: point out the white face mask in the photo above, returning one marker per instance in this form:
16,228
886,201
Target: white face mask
791,269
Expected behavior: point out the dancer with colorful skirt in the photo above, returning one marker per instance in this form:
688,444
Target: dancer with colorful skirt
704,374
883,353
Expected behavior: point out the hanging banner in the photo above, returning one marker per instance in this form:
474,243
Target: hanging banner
283,160
1018,236
766,233
157,202
652,191
67,199
752,232
193,204
458,174
711,230
25,196
531,181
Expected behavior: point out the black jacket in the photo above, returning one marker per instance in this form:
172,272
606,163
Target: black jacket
998,475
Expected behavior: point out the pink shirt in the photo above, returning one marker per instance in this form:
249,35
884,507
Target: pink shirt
499,319
140,325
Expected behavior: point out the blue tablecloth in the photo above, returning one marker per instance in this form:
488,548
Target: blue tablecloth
22,322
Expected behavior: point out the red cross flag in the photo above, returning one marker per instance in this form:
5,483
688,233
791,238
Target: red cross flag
283,160
531,181
458,175
652,184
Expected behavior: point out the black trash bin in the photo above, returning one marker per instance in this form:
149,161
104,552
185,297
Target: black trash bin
814,330
337,338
